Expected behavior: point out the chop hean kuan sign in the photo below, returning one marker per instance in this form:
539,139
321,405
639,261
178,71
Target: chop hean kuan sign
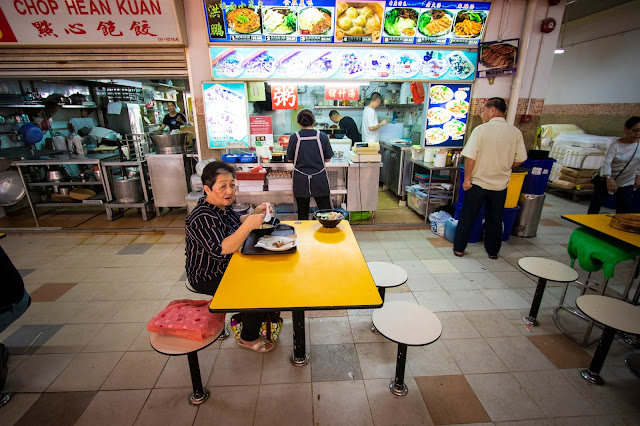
108,22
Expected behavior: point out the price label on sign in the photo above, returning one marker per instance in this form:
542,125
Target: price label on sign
341,92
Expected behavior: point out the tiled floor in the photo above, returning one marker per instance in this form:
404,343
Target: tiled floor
81,354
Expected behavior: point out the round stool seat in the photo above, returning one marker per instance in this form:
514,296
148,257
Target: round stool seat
407,323
548,269
611,312
387,274
172,345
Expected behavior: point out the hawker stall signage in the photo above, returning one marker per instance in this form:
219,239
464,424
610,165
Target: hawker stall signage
284,96
447,114
250,63
497,58
226,115
68,22
342,92
361,22
261,128
301,21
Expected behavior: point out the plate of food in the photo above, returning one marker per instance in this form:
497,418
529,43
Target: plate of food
292,64
359,19
400,21
350,65
454,128
435,67
277,243
440,94
243,20
458,108
377,65
406,65
460,65
325,65
498,55
279,20
314,21
435,22
469,23
260,64
438,115
435,136
230,65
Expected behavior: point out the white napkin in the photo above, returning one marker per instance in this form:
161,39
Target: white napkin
269,241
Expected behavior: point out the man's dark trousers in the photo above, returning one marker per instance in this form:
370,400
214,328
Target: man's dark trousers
493,202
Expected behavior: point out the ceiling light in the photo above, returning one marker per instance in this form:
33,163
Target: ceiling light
558,51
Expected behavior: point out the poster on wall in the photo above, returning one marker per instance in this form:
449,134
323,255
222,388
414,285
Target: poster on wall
448,109
301,21
283,63
351,21
225,112
498,58
261,130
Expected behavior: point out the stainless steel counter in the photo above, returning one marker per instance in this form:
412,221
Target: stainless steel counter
396,169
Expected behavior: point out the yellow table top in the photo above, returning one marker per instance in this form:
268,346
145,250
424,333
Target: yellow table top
600,223
328,271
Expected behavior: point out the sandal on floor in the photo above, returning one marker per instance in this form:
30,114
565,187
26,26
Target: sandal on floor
262,345
458,254
493,257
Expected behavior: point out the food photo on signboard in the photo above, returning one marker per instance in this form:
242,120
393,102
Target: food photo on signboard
497,58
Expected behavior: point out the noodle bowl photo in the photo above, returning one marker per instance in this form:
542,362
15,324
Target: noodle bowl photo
243,20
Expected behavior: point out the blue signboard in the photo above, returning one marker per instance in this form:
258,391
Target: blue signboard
288,21
349,21
283,63
447,113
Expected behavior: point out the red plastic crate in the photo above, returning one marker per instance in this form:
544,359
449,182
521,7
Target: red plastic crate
251,175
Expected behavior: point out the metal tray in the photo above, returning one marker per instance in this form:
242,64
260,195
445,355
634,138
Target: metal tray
282,231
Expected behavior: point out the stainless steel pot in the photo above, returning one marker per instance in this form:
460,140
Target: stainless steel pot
64,190
170,143
128,190
57,175
11,188
132,172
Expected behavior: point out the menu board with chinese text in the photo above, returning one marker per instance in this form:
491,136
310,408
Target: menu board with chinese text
448,109
350,21
282,63
225,112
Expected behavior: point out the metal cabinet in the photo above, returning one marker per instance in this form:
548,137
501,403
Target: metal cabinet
399,169
385,151
169,175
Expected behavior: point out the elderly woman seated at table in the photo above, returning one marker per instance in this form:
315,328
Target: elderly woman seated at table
214,231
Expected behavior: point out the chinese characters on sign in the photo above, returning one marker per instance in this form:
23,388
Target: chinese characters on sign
284,96
342,92
215,19
88,21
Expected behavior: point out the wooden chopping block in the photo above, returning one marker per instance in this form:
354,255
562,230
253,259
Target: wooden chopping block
626,222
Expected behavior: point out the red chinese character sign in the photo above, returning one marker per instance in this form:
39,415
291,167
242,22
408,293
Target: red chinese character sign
68,22
342,92
284,96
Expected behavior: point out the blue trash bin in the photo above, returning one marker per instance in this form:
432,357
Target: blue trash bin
476,229
508,220
535,182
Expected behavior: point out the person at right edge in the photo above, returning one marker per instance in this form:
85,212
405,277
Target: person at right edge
310,150
492,150
619,173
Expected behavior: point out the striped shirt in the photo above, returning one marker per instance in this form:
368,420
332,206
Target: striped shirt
205,228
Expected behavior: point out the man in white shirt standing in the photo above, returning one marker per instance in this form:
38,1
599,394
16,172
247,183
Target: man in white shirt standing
370,125
492,150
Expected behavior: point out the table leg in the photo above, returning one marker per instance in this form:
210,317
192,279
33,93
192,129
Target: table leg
592,375
531,319
299,357
381,291
199,395
397,385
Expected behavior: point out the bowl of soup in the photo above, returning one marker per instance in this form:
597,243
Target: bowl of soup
267,228
329,218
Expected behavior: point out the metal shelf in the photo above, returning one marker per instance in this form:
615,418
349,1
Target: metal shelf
117,205
89,183
70,204
93,106
256,193
163,100
22,106
168,86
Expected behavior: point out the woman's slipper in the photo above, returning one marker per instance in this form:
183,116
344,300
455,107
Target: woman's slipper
493,257
260,345
458,254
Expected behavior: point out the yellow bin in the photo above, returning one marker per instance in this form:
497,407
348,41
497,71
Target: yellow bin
514,188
